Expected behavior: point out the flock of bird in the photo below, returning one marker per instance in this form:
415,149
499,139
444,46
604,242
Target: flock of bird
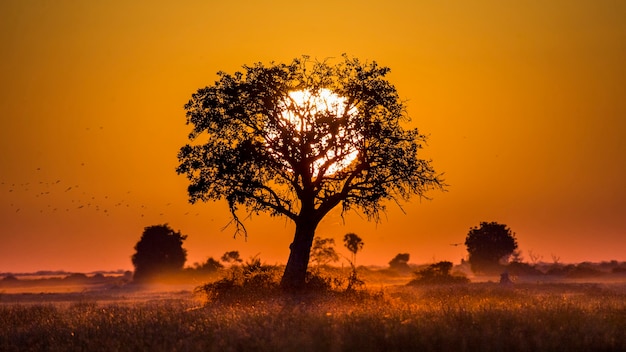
56,196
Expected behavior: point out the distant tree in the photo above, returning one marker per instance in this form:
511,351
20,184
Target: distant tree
354,243
400,262
323,251
489,246
438,273
98,277
209,266
231,257
159,252
77,277
300,139
518,268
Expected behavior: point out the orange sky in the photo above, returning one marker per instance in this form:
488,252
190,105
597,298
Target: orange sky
524,102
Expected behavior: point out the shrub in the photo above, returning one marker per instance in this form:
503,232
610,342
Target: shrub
253,278
523,269
437,274
400,262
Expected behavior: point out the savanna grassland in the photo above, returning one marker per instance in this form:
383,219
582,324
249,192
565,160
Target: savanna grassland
467,317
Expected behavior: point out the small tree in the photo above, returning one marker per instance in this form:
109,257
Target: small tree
354,243
209,266
323,251
231,257
489,246
159,252
400,262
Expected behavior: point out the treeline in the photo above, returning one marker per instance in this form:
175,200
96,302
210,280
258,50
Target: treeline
62,278
570,271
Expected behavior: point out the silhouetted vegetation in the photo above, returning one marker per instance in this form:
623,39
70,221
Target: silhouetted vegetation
76,277
209,266
489,247
97,281
323,251
354,244
400,262
354,154
251,279
232,257
523,269
437,274
10,278
159,253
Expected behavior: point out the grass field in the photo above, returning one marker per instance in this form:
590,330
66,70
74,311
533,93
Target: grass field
473,317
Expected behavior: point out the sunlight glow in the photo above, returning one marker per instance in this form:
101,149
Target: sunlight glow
317,114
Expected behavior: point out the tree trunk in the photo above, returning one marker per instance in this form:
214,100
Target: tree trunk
295,272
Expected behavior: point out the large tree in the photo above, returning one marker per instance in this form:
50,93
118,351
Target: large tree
299,139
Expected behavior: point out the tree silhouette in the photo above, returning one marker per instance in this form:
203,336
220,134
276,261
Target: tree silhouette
231,257
400,262
159,252
209,266
323,251
354,243
489,245
299,139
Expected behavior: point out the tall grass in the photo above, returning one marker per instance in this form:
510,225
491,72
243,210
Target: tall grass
474,317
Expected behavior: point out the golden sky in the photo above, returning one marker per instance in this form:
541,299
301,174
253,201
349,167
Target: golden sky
524,103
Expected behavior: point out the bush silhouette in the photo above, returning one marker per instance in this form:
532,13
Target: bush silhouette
523,269
400,262
231,257
209,266
159,253
252,279
438,273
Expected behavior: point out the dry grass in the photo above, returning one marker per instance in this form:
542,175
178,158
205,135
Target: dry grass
474,317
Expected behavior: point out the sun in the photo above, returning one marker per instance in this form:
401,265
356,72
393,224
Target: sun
326,117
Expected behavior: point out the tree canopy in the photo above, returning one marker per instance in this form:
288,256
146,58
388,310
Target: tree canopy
299,139
354,243
159,252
